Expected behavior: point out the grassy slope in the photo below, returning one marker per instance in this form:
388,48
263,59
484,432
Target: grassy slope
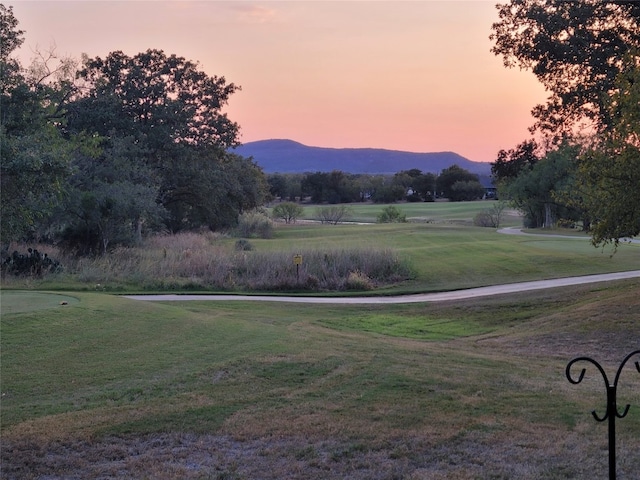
418,385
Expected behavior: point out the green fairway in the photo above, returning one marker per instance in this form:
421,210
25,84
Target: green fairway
21,301
423,212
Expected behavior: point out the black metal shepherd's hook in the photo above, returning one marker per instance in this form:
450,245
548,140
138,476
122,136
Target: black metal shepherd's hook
612,409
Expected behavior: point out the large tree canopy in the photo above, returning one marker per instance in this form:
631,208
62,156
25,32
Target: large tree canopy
128,145
111,197
609,171
587,54
10,40
575,49
35,157
165,97
539,191
510,163
173,110
458,184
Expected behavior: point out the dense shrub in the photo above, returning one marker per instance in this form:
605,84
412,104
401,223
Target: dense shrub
391,214
388,194
358,281
333,213
33,263
255,224
243,245
466,191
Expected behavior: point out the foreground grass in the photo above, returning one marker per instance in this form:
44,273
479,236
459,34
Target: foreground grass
112,388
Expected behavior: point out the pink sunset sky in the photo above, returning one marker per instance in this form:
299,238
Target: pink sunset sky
403,75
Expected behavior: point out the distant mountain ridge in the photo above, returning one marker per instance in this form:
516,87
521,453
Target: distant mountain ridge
288,156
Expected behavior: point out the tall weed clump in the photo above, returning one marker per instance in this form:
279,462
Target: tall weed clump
184,261
348,269
163,262
206,261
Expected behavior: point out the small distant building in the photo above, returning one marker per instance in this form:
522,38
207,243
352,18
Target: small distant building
490,190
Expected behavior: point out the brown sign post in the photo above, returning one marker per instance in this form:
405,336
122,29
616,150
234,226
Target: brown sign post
297,261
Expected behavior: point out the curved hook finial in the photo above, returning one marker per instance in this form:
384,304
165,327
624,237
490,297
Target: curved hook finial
581,376
615,383
608,386
626,359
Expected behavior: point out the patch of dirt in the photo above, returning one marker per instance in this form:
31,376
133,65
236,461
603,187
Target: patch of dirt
475,454
604,347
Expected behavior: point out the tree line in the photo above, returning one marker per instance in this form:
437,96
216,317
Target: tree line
454,183
582,163
98,153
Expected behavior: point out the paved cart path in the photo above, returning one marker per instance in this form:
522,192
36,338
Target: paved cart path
518,231
417,298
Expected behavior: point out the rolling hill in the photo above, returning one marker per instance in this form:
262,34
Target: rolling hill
287,156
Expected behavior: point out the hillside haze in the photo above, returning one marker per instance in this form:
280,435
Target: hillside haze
287,156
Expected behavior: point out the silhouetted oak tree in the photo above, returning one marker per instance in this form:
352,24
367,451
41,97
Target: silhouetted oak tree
609,171
166,98
174,112
510,163
35,156
575,49
465,181
587,54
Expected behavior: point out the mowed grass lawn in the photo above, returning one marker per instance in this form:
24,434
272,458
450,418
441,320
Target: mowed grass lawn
423,212
93,385
107,387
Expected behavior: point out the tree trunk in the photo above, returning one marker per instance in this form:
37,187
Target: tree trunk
138,234
548,216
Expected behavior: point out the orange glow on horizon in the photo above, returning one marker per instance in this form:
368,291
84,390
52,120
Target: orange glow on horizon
415,76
